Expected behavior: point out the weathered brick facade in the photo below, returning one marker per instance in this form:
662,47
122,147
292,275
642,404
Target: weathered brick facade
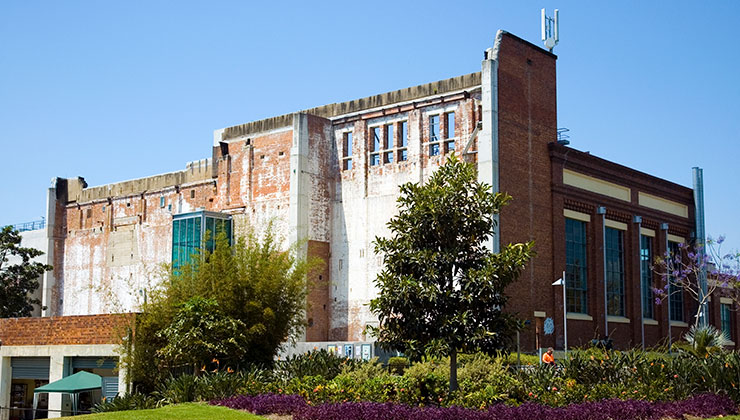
291,171
65,330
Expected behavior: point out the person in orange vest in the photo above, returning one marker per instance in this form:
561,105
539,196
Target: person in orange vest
548,358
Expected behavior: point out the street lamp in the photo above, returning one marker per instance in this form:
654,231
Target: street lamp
561,282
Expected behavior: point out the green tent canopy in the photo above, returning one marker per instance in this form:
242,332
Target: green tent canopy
79,382
73,384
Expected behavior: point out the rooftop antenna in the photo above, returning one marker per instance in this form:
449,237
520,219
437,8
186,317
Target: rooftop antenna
563,137
550,30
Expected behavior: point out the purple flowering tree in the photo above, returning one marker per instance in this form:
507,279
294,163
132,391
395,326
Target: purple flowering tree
683,271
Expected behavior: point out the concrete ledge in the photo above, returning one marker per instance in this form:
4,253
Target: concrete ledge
618,319
679,324
389,98
649,322
580,317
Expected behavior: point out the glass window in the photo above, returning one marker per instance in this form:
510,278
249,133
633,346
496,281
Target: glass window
376,139
404,133
646,258
189,230
403,155
347,144
434,149
450,125
434,128
449,146
389,136
347,152
575,266
614,249
374,159
725,315
675,300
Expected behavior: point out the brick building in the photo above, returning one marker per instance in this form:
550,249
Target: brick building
330,175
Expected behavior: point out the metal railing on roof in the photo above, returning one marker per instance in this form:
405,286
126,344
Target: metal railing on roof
34,225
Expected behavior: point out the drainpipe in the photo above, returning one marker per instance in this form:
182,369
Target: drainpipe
700,240
664,228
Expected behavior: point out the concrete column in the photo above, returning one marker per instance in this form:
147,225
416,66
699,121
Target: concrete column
299,182
300,188
56,372
5,380
49,278
488,153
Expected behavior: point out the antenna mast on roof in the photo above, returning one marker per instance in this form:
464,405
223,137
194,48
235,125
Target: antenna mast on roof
550,30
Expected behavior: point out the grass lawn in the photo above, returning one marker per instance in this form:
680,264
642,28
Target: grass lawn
189,411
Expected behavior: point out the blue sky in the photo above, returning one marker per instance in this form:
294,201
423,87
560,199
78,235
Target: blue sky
115,91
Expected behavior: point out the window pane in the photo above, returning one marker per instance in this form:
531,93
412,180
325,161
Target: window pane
449,146
389,157
402,155
434,149
675,301
450,125
575,266
211,232
376,139
726,320
347,144
404,133
614,272
347,164
389,136
434,128
175,243
646,258
374,159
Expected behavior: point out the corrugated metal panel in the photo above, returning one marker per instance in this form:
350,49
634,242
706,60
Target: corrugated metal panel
30,367
110,387
94,363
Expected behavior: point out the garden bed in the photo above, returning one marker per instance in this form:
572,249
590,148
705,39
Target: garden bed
702,406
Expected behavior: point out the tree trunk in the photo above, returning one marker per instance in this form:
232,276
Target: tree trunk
453,371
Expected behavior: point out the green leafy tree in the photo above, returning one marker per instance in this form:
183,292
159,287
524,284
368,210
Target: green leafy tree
201,332
18,281
254,284
441,291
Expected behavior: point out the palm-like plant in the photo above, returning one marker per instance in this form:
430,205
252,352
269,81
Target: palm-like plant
705,339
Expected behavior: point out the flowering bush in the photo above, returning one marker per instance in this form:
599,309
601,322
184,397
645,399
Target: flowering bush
265,404
702,406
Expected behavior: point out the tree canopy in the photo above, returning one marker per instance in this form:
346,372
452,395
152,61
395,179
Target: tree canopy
441,290
19,280
238,304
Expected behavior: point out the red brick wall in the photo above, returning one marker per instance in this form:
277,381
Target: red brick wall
318,310
527,123
624,335
87,329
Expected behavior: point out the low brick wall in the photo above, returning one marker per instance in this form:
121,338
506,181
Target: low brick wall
63,330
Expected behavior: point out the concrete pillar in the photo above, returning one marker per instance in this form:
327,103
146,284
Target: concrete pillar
300,188
49,278
56,372
488,153
5,380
